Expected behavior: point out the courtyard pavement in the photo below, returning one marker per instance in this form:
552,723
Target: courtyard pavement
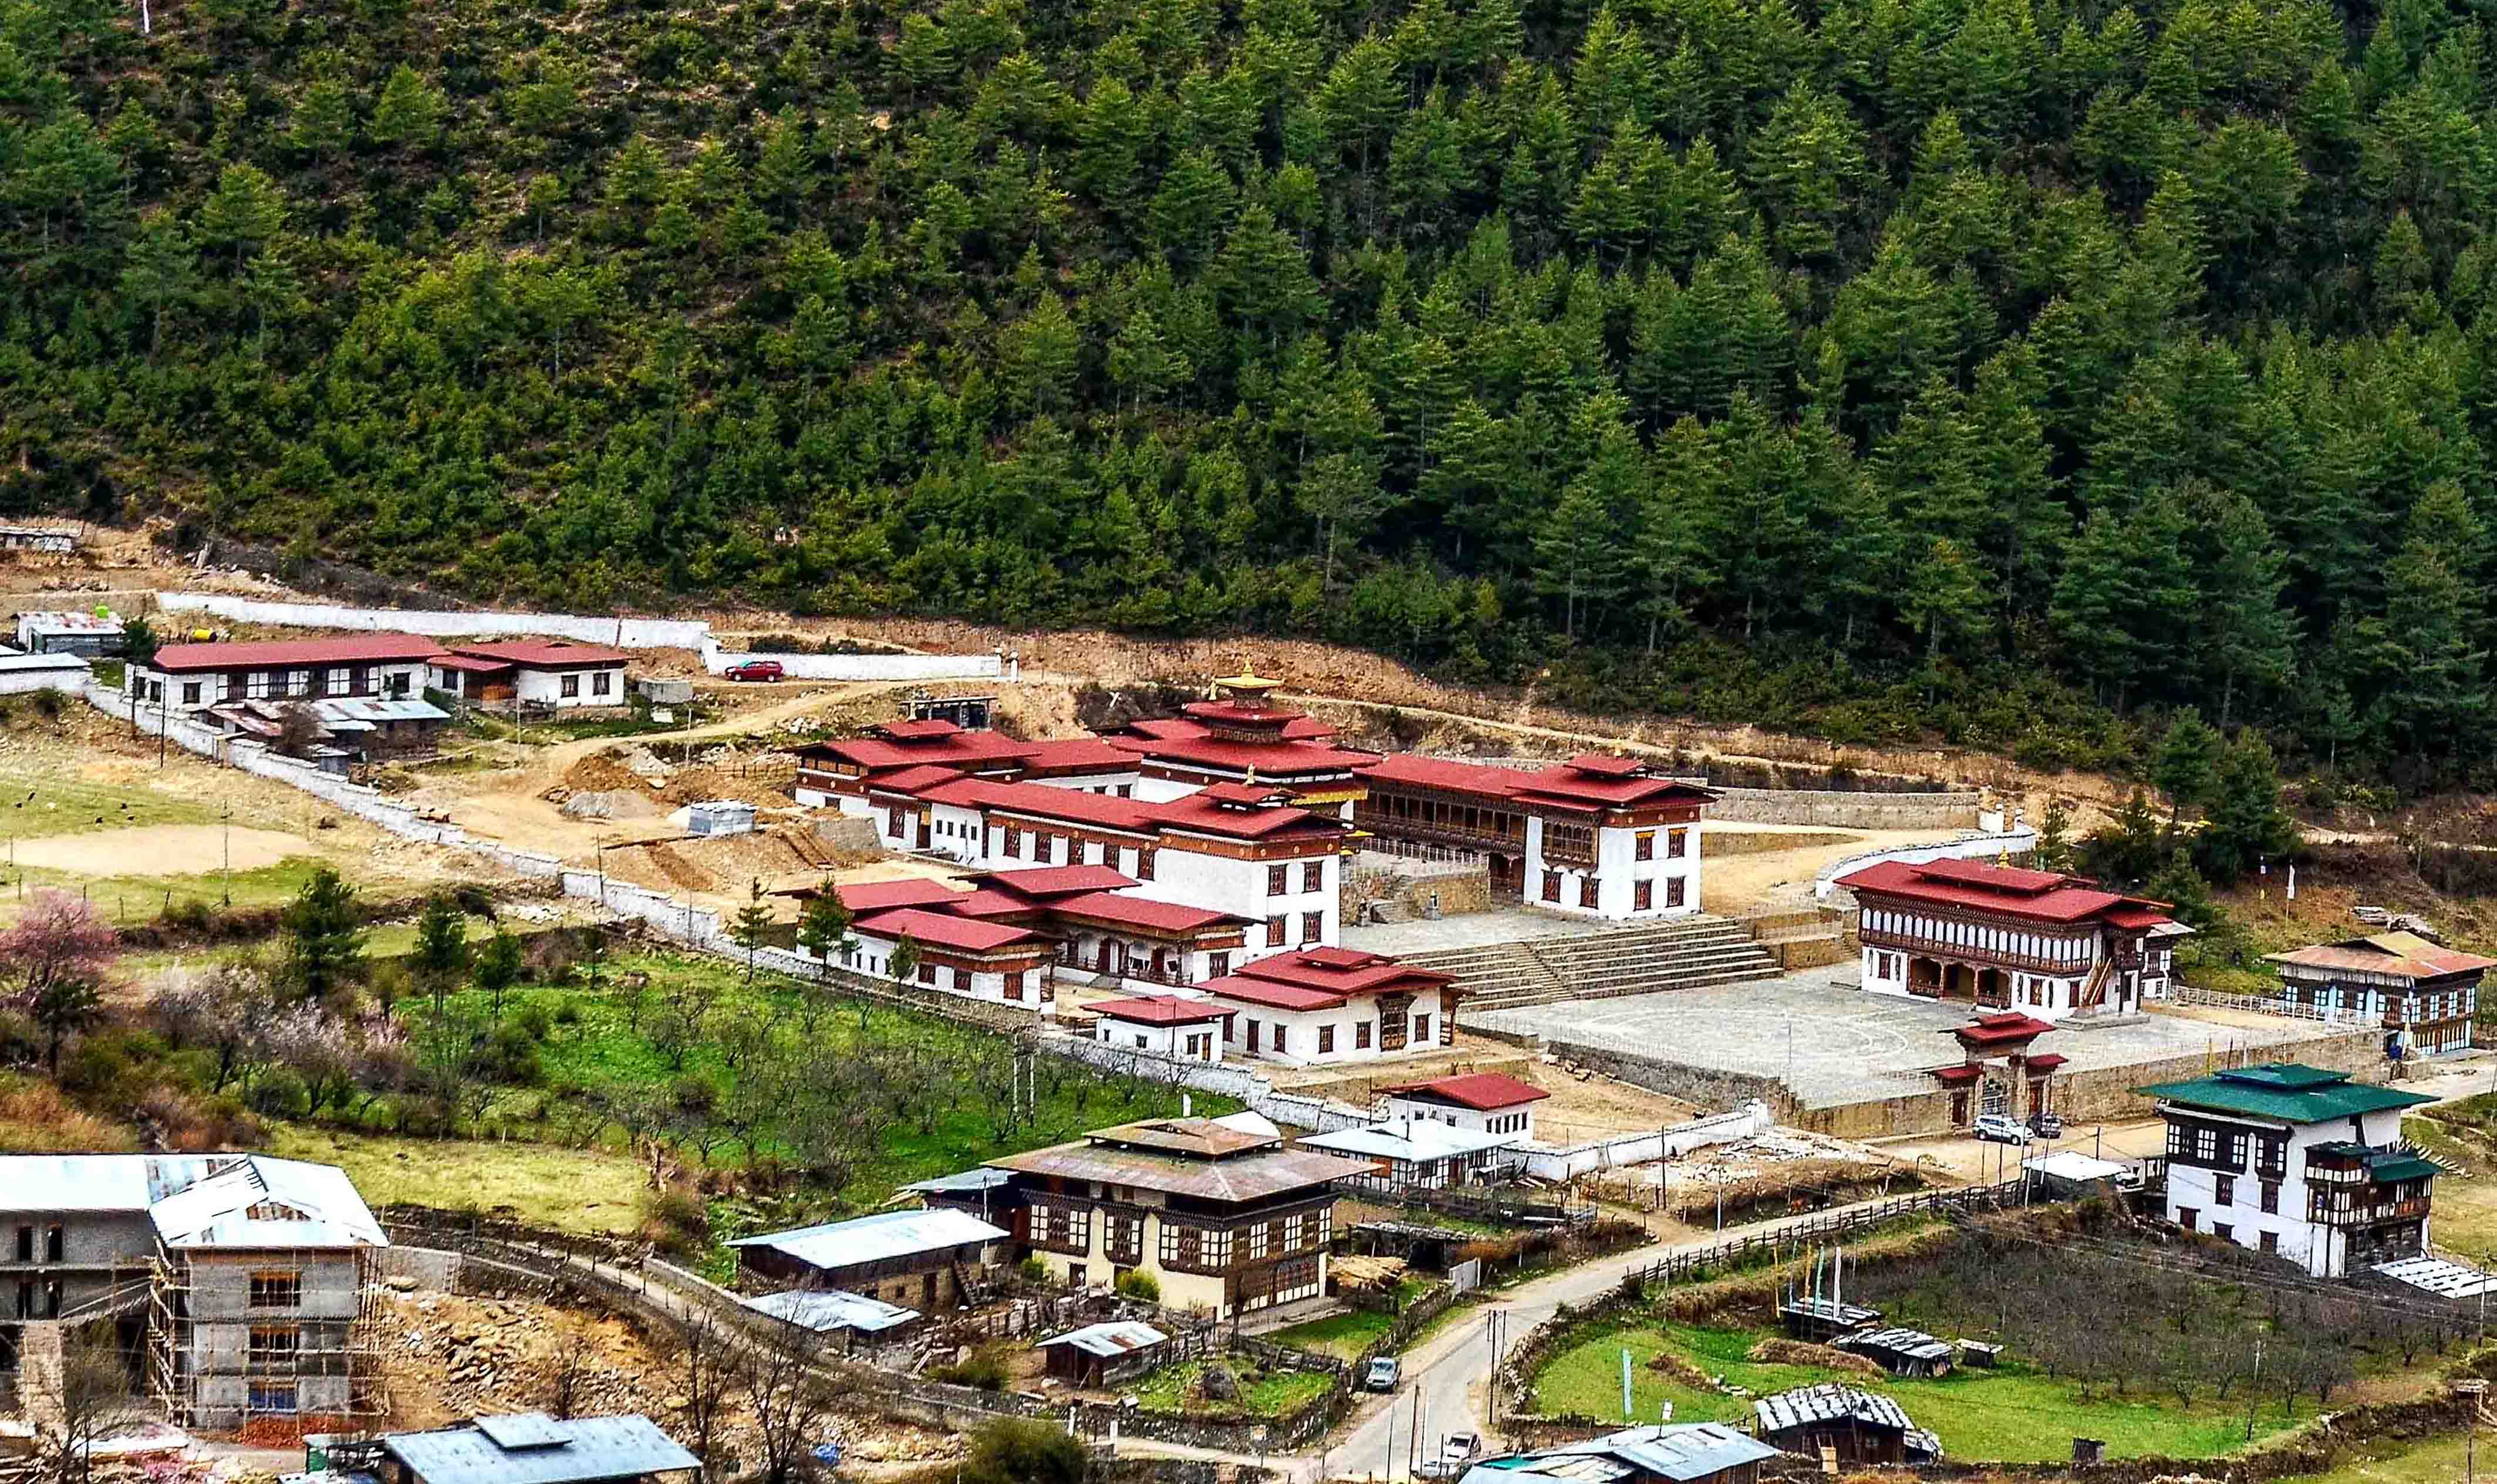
1468,929
1834,1044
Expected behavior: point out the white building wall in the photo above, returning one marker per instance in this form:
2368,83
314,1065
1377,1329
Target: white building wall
2316,1247
1300,1030
1164,1040
1226,884
1618,872
1518,1122
545,688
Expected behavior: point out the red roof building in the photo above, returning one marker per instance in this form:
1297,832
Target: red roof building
1324,1005
1599,835
2001,937
1242,735
1995,1075
1485,1102
192,677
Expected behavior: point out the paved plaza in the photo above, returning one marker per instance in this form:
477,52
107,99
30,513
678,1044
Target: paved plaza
1834,1044
1470,930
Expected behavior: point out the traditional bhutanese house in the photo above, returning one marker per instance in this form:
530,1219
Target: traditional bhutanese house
914,1258
1242,735
1324,1005
1599,835
1088,763
1659,1453
1109,932
190,676
1161,1025
1900,1352
556,673
1843,1426
2424,994
1997,1073
2299,1162
1486,1102
1098,1354
2005,938
996,962
836,775
1415,1154
1224,1218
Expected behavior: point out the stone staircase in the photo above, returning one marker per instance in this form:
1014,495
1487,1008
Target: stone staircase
1683,954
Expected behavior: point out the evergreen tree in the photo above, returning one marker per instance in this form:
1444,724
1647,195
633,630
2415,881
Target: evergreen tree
2187,766
325,934
408,113
2246,825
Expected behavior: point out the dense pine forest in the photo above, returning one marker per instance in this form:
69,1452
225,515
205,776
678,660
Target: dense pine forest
2018,371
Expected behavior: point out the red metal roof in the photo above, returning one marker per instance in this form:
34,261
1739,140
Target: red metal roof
2048,1062
1079,752
913,782
1482,1092
1608,765
956,749
1448,774
1072,806
916,731
276,653
1159,1010
1057,880
470,664
866,897
1586,782
1183,741
1249,793
1321,978
544,653
1961,1073
2033,894
1210,816
2000,1030
943,930
1145,914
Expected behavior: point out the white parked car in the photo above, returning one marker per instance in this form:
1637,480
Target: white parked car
1999,1128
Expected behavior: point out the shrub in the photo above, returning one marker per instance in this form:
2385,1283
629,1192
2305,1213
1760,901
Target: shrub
511,1056
984,1368
1031,1270
1140,1285
675,1221
1014,1450
280,1093
534,1021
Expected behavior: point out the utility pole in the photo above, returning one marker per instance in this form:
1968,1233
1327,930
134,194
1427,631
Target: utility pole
2470,1391
227,820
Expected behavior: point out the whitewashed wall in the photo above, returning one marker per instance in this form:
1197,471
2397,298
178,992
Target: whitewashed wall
1546,1163
2017,841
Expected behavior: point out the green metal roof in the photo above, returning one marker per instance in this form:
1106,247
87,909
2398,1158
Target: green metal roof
2285,1090
2411,1168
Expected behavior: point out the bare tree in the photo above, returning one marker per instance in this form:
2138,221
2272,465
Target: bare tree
567,1373
712,1360
789,1399
85,1402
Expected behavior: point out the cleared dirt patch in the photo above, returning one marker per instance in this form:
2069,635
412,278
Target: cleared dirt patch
160,850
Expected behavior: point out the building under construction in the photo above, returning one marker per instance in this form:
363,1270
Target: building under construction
232,1287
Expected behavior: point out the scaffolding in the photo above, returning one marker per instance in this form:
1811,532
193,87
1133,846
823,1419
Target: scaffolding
184,1350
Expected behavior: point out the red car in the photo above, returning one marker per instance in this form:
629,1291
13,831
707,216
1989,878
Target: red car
754,669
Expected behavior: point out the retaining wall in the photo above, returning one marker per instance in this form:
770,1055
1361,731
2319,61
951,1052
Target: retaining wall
1743,1122
1847,808
2018,843
1704,1086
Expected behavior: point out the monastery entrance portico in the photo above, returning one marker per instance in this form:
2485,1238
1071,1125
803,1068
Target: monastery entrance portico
1959,983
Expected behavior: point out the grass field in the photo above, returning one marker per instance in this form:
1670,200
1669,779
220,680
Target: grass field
605,1049
1267,1394
2438,1461
576,1190
2007,1415
1346,1335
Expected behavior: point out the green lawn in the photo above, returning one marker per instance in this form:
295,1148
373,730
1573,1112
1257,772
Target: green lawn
2006,1415
578,1190
49,803
1346,1335
140,898
1269,1394
2437,1461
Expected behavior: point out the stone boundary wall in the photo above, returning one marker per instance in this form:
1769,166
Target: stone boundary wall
1847,808
1707,1087
1548,1163
2018,843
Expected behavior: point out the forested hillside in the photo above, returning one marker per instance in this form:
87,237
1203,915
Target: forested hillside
1996,366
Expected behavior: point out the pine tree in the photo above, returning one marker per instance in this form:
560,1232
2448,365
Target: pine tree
2250,639
751,926
2187,767
2246,825
408,113
246,212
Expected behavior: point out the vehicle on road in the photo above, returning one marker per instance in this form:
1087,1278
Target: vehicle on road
2046,1126
754,669
1999,1128
1460,1448
1383,1374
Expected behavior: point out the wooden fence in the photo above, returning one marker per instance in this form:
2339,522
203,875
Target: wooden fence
1793,1237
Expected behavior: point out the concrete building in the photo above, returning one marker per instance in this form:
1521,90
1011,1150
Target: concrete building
244,1282
532,674
913,1258
2423,993
1598,836
88,636
1226,1220
2299,1162
996,962
1415,1154
2003,938
1319,1006
1163,1025
1482,1102
193,677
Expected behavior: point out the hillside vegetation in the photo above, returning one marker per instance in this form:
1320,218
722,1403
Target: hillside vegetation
2003,367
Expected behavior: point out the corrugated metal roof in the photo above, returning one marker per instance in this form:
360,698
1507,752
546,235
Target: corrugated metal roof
877,1238
377,708
200,1200
1828,1402
2285,1090
583,1450
962,1181
1916,1344
1671,1450
824,1310
1251,1177
1408,1139
1116,1337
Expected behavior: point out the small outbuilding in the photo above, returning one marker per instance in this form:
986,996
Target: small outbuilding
1411,1153
839,1314
86,635
719,816
1842,1424
917,1258
525,1448
1901,1351
1098,1354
